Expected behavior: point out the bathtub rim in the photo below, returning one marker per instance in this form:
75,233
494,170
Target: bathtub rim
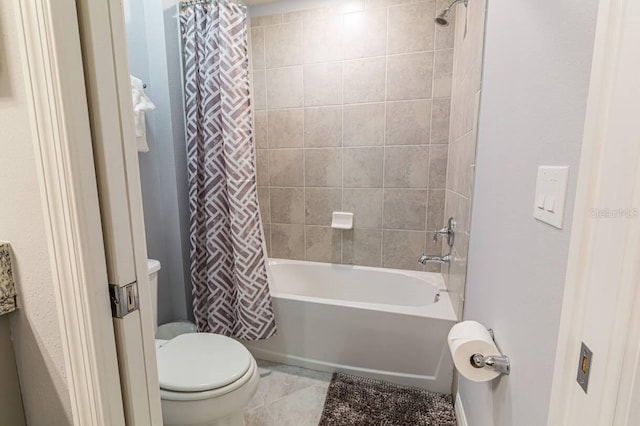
442,310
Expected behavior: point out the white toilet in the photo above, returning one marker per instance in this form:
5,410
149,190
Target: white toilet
205,379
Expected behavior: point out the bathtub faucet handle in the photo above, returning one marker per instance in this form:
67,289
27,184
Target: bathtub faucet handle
448,232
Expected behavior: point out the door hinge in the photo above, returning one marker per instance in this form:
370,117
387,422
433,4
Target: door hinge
124,299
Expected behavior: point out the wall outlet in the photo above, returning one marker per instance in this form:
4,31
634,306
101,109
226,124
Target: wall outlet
551,194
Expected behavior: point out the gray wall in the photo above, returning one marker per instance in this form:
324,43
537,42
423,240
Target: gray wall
154,57
535,83
352,114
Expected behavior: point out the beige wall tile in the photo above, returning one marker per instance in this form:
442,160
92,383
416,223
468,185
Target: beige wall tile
411,27
401,249
363,167
257,48
440,120
435,209
408,122
262,167
260,119
263,203
442,73
285,128
458,207
365,34
456,166
435,248
287,205
320,203
438,158
323,127
363,80
366,206
323,84
260,21
323,167
344,6
406,167
363,125
362,247
370,4
323,40
259,97
287,241
284,87
405,209
283,45
302,15
410,76
323,244
267,237
286,167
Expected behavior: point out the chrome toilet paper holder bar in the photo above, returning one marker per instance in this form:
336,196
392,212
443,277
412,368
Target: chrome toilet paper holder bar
499,363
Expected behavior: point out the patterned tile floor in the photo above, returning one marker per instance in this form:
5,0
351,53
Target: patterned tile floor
287,396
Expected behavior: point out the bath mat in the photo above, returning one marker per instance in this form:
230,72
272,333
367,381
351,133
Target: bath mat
358,401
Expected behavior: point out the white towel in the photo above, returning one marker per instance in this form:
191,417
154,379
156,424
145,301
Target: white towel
141,104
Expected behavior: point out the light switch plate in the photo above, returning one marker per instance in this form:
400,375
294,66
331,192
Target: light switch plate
551,194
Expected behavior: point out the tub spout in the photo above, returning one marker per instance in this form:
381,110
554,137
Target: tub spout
424,259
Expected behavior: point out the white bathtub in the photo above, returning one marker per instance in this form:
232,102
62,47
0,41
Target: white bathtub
374,322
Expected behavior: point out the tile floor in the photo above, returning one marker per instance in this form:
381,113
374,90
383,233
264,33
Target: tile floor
287,396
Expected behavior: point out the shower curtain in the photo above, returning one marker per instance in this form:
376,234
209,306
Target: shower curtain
228,262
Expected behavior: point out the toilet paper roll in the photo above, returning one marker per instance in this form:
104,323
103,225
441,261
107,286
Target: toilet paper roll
466,339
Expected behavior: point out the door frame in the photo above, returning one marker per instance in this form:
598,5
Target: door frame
618,23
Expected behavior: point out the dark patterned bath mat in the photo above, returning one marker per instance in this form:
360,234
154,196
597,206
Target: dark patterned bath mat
358,401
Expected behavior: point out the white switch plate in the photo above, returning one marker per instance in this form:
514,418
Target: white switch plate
551,193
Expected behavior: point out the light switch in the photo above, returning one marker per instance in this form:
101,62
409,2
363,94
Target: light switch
549,204
551,192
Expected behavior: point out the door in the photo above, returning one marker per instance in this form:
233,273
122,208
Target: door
601,304
104,50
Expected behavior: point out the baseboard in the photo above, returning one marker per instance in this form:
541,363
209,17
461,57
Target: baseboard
462,418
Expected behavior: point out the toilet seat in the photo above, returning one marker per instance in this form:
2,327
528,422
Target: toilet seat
202,362
251,374
198,362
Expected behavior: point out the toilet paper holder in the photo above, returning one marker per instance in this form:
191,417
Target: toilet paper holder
499,363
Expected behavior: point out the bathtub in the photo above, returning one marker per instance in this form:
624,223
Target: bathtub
379,323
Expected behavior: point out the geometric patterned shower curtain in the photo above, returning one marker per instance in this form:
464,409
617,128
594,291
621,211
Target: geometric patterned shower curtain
228,263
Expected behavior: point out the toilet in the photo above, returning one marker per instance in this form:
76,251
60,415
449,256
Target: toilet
205,379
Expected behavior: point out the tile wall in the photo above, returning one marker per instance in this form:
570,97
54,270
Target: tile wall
465,102
352,114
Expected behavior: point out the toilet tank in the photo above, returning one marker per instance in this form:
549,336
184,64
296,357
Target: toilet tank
153,266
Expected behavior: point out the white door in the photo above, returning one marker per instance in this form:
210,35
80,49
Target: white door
106,69
601,303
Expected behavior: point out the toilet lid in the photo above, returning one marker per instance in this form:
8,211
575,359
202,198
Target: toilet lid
201,361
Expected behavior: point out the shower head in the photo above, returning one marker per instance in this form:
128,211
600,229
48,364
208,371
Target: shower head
443,18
